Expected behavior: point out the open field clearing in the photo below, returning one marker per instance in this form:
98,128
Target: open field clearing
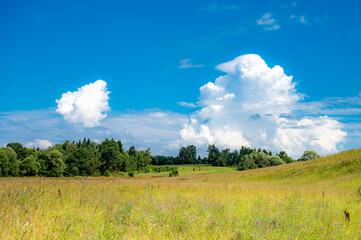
316,199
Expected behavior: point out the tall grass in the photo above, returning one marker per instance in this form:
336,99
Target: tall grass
305,200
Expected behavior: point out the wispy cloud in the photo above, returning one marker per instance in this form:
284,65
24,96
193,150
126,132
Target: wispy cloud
221,7
268,22
187,63
336,106
302,19
185,104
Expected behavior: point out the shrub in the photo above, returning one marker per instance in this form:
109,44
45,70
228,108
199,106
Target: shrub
174,173
107,173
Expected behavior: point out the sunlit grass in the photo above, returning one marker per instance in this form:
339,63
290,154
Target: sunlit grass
189,170
305,200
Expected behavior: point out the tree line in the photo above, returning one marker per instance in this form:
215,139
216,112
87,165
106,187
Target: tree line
88,158
84,158
243,159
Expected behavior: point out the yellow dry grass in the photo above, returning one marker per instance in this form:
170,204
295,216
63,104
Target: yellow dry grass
305,200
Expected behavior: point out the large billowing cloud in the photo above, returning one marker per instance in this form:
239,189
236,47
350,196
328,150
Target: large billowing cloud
253,105
87,105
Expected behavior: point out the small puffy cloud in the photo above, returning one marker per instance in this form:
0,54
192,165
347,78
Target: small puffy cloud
268,22
86,106
185,104
39,143
253,105
187,63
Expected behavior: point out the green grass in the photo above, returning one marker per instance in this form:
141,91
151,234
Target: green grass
304,200
189,170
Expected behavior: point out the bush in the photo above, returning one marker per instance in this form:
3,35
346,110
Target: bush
131,174
173,173
275,160
308,155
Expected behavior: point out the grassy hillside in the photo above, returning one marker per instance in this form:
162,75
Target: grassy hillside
305,200
344,164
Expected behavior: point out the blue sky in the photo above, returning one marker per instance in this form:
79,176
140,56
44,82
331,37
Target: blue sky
153,55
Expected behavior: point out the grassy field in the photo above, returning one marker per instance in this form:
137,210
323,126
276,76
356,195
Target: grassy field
304,200
189,170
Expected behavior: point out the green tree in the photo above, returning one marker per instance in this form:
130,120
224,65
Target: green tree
20,150
308,155
9,164
143,159
109,156
82,156
260,158
193,150
213,154
283,155
120,146
71,165
131,151
224,158
274,160
55,164
246,163
29,166
187,155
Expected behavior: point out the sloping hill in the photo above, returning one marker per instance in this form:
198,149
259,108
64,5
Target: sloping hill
342,165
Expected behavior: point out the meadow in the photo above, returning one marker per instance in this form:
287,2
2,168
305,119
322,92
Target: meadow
315,199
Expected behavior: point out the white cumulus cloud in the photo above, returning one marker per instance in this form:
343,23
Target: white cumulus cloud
252,105
39,143
87,106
